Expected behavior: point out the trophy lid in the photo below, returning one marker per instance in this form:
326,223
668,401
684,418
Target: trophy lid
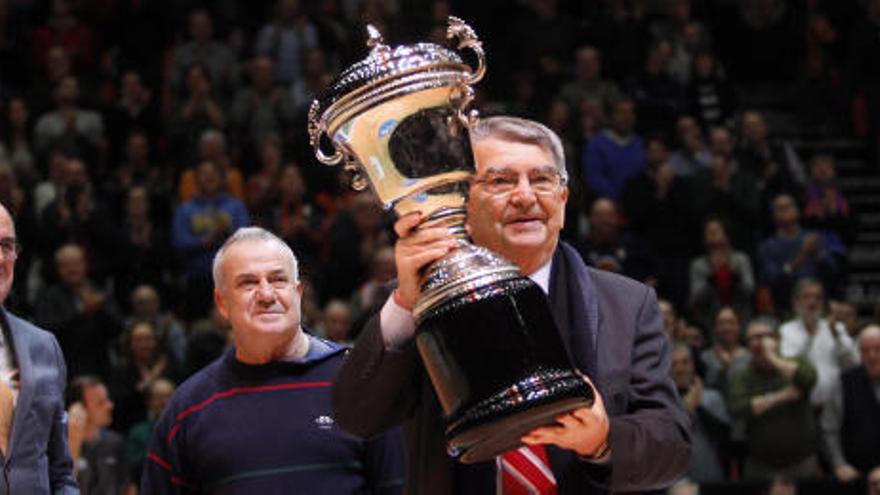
389,72
385,63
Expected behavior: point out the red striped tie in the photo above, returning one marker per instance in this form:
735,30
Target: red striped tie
526,471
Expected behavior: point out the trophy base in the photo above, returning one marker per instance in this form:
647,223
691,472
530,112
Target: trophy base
488,441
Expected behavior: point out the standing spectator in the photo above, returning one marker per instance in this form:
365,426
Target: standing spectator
135,111
196,113
212,147
727,356
286,39
588,82
16,141
658,97
721,277
143,361
215,58
68,125
849,419
314,80
692,154
710,422
729,193
145,255
846,313
792,253
773,163
336,325
76,216
353,238
62,28
710,96
46,191
771,396
137,169
658,206
138,439
608,247
825,344
146,305
200,227
544,41
826,209
83,318
262,108
262,185
98,452
293,217
615,155
374,291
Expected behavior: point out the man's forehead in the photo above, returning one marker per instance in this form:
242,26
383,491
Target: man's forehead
255,257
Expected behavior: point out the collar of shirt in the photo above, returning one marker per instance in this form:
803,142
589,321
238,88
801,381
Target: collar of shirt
541,276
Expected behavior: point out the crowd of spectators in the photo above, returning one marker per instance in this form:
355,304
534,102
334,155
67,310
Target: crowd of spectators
135,136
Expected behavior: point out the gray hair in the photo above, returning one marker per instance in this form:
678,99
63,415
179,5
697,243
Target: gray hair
251,234
522,131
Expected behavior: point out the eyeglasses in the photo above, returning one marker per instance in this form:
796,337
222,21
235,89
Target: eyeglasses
10,248
541,182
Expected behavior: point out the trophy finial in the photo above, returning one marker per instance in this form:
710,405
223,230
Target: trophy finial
374,36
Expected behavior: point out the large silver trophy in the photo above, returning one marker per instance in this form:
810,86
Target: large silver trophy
398,120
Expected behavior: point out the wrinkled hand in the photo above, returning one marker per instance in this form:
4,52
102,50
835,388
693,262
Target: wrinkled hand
415,249
584,430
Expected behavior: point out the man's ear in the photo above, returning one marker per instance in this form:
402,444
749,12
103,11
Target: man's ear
221,305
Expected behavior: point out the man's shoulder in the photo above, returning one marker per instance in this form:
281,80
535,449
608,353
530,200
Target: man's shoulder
26,329
199,386
790,328
614,284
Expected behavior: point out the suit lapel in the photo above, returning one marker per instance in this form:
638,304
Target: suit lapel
21,345
575,308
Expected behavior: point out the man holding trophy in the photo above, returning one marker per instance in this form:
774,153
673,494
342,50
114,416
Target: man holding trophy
499,392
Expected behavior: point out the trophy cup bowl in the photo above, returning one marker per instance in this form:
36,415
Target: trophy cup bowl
398,120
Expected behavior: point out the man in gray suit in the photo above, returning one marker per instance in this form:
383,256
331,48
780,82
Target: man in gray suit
33,422
635,437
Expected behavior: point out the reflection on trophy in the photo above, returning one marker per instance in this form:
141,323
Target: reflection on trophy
398,120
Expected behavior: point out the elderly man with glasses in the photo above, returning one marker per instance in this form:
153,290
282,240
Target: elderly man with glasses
33,422
634,438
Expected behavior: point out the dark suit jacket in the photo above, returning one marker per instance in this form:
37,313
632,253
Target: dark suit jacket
649,435
38,460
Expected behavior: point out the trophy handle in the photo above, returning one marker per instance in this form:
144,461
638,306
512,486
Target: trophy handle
316,130
358,181
467,38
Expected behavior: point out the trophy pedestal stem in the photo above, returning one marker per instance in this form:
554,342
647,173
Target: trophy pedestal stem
451,218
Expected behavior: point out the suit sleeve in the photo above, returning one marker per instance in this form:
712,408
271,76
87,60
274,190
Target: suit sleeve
60,463
650,444
376,388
